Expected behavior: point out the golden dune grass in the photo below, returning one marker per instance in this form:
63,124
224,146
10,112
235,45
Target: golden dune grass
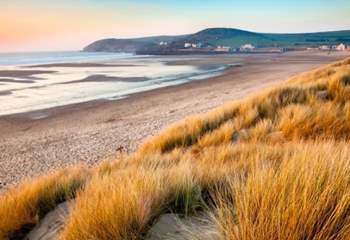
23,206
135,199
272,166
306,197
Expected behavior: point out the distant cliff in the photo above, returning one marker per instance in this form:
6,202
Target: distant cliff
214,37
130,45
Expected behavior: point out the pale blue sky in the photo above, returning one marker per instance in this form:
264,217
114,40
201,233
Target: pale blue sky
70,24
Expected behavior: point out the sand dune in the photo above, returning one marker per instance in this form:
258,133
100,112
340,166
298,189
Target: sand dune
90,132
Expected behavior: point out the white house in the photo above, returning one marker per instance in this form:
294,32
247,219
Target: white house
163,43
223,49
192,45
341,47
324,48
247,47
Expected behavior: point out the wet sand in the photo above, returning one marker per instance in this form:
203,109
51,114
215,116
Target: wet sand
4,93
22,73
9,80
38,142
104,78
82,65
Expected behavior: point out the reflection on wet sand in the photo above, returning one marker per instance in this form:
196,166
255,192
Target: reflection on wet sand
105,78
83,65
4,93
9,80
23,73
57,84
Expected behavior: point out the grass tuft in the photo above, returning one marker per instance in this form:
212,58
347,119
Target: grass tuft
22,207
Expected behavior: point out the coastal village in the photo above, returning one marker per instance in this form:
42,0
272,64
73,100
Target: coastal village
189,47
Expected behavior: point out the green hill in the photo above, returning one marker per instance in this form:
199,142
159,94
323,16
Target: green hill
213,37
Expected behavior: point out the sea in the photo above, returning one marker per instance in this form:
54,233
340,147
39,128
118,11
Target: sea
36,81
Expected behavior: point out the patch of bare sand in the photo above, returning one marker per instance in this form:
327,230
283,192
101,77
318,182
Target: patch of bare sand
51,226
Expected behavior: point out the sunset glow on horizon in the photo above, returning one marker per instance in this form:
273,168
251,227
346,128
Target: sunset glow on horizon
38,25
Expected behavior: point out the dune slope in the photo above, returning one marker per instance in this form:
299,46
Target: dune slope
272,166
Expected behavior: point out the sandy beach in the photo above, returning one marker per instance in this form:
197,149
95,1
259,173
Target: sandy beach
38,142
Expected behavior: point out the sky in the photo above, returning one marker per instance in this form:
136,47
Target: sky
47,25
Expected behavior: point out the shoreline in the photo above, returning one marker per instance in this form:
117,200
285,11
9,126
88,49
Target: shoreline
124,85
38,142
222,60
97,102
